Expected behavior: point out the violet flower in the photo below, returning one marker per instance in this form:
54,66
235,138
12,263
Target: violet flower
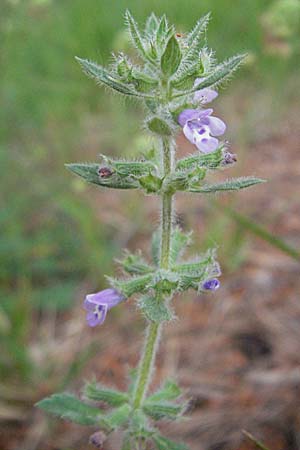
201,128
98,304
205,95
211,285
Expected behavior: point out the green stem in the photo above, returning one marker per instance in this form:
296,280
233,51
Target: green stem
153,331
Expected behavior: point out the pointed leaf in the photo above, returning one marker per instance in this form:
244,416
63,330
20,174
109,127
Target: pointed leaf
179,242
169,391
159,126
162,31
162,443
132,285
90,172
171,57
234,184
211,160
199,28
102,75
151,25
135,264
162,410
119,416
220,73
97,392
155,309
135,35
69,407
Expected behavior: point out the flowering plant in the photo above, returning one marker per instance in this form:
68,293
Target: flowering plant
177,77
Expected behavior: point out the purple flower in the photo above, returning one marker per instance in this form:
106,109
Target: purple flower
200,128
205,95
98,304
211,285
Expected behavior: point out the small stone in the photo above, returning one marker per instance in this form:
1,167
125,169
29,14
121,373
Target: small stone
97,439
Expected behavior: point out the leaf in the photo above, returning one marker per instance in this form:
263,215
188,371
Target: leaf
132,285
220,73
150,183
162,410
102,75
171,57
112,397
159,126
179,242
69,407
130,168
211,160
162,443
234,184
135,264
258,230
90,173
155,309
135,35
119,416
151,25
169,391
255,441
199,28
162,31
194,44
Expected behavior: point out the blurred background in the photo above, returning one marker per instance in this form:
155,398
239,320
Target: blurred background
236,353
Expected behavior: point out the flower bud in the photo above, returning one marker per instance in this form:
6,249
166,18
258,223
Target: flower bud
229,158
105,172
211,285
124,69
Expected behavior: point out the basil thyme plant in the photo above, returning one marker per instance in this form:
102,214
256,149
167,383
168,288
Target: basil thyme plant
175,79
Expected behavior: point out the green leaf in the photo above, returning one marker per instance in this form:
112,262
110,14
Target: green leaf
135,35
194,44
211,160
90,173
150,183
258,230
162,410
234,184
171,57
69,407
220,74
169,391
143,82
112,397
119,416
163,443
192,274
155,309
102,75
130,168
162,31
159,126
198,30
135,264
132,285
151,25
179,242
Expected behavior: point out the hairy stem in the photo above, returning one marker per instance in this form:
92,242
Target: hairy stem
153,331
